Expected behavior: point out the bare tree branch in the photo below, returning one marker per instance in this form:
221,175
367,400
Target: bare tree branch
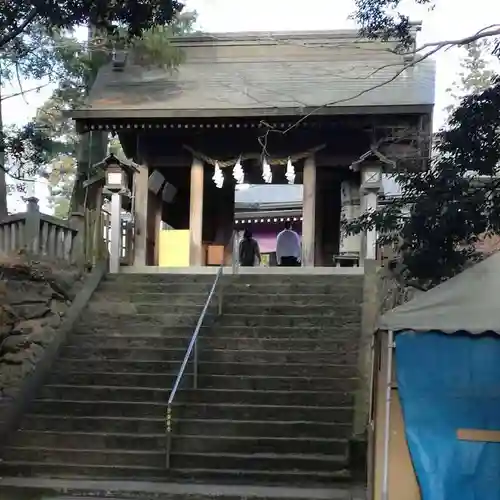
489,31
23,92
435,47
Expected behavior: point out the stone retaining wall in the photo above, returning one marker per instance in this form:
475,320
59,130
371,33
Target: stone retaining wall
34,298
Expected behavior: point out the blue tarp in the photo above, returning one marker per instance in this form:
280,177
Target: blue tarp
448,383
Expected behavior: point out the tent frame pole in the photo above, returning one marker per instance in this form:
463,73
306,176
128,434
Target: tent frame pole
387,423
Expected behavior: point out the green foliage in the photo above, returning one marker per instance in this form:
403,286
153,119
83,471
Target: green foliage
476,73
48,146
80,67
443,211
35,44
382,19
25,148
61,177
17,16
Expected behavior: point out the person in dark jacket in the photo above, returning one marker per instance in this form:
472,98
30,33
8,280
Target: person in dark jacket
249,250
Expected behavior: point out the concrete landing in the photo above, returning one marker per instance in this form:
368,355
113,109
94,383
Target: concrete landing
59,489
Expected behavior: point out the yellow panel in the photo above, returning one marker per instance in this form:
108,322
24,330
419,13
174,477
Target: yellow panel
174,248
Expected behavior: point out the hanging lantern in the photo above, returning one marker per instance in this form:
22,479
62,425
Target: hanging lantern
290,172
267,175
238,173
218,176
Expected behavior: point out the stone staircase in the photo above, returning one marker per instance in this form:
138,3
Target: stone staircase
277,378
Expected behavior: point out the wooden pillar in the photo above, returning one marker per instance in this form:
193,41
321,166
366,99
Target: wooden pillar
319,219
141,216
157,228
309,212
196,214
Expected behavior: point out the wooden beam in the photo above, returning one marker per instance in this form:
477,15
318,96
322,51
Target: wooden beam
479,435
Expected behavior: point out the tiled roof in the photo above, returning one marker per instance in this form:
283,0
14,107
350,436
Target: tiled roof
294,71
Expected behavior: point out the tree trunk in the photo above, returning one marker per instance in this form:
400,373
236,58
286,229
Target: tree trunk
3,183
92,149
93,145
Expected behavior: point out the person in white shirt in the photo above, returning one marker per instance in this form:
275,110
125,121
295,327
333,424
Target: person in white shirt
288,247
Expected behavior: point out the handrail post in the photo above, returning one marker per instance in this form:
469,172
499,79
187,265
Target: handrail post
168,428
221,290
195,364
221,300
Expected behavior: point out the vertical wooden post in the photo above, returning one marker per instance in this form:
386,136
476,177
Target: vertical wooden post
77,222
157,228
32,226
309,212
196,214
141,216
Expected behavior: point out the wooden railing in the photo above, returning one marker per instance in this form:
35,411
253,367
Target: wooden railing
39,234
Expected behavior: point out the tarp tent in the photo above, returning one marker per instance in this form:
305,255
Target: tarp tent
449,385
468,302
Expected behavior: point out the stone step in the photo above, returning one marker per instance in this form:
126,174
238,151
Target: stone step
351,318
336,278
226,443
222,411
132,354
122,279
79,489
146,321
166,380
167,307
270,288
208,396
66,469
65,365
211,340
233,296
250,309
273,462
351,331
179,460
169,288
242,428
137,321
213,355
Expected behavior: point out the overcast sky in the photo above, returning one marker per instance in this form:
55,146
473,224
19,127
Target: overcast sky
450,19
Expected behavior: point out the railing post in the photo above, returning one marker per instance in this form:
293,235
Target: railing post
32,225
195,365
168,429
221,300
116,233
221,290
